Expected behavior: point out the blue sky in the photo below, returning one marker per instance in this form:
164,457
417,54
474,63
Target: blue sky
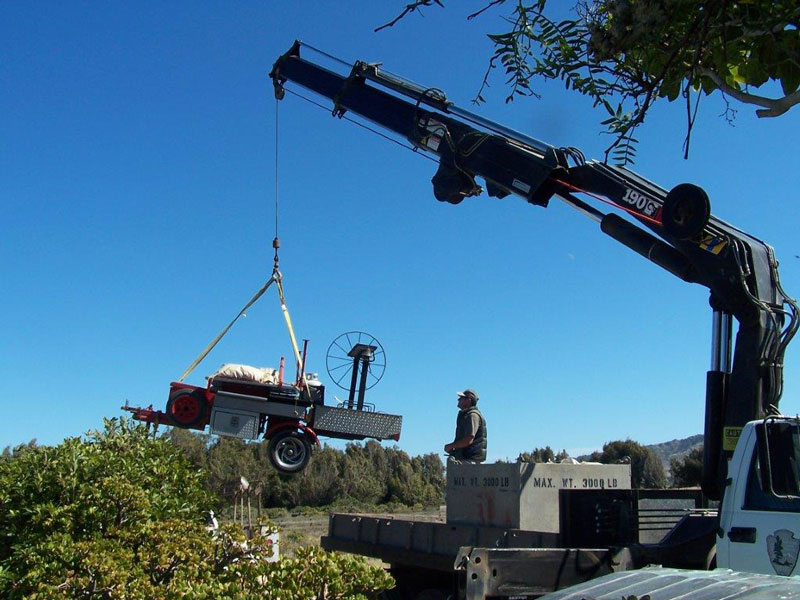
137,182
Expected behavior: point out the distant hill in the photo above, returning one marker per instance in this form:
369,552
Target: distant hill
666,450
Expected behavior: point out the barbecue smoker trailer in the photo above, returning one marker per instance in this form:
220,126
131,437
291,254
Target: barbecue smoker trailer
291,416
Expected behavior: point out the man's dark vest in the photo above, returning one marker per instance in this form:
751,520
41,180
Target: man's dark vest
477,450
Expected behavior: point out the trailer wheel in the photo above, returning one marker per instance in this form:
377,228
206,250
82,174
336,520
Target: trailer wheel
187,408
289,451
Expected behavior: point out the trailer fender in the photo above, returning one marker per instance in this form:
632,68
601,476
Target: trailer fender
273,429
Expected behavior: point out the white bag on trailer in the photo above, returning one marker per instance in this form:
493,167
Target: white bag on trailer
247,373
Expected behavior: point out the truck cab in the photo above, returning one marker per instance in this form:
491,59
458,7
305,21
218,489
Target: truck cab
759,529
757,536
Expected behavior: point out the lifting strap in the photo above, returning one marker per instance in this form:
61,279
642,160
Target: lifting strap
275,277
278,280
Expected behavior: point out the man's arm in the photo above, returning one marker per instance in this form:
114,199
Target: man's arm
462,443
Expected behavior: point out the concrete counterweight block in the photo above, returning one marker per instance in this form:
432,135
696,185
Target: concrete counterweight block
522,495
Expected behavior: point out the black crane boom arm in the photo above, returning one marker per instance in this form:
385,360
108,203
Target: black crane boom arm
673,229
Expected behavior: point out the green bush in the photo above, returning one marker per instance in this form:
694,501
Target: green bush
646,469
121,515
687,471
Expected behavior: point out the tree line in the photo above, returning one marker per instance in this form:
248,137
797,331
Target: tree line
372,475
360,475
647,471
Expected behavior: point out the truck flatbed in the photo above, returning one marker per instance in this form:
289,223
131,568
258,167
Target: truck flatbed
426,544
481,561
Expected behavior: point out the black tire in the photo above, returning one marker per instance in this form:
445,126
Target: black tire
289,451
187,408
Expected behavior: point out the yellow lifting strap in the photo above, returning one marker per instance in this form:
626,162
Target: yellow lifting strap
222,333
277,279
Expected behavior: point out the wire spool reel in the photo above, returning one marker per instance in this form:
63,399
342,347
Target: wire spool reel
358,359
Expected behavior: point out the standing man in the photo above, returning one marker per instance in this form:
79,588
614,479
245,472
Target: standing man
469,444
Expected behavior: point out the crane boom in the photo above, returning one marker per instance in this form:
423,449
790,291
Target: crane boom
673,229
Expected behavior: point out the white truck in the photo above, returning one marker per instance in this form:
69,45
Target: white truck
757,529
758,536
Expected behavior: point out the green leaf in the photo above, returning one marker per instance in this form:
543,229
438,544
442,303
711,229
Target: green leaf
670,89
789,77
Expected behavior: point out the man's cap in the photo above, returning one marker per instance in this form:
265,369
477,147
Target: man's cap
469,394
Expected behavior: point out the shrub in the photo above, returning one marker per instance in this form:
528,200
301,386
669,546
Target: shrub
121,515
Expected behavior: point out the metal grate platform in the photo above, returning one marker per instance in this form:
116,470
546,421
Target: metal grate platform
359,423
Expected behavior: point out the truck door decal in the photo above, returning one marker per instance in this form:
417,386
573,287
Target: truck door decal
783,550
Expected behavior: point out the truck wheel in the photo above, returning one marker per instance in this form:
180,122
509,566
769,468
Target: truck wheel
187,408
289,451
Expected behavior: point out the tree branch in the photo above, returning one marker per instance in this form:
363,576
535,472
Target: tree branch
485,8
773,107
409,8
788,20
